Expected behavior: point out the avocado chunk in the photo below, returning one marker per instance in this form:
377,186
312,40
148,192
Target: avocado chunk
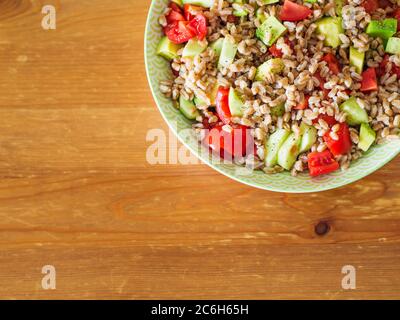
309,136
393,45
167,49
201,3
236,105
278,111
273,145
228,53
275,65
217,46
357,59
355,114
367,137
383,29
188,108
194,47
289,151
270,31
330,28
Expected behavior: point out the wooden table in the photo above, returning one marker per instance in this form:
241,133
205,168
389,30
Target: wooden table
76,191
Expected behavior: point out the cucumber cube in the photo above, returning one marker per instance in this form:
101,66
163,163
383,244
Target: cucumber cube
270,31
167,49
269,1
289,151
217,46
273,145
236,104
357,59
271,66
355,114
194,47
393,45
309,136
339,6
382,29
228,53
201,3
188,108
330,27
367,137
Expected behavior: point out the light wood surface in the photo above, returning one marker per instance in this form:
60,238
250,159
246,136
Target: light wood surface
76,191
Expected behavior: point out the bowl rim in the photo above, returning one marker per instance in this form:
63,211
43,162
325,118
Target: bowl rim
359,177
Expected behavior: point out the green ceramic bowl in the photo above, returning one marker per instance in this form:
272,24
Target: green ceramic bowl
158,69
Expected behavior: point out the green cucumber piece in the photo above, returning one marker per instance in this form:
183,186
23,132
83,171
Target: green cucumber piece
357,59
167,49
275,66
269,1
199,102
393,45
383,29
270,31
242,12
201,3
217,46
330,27
367,137
273,146
278,111
178,2
309,136
236,105
194,47
289,151
260,15
355,114
311,1
188,108
228,53
339,6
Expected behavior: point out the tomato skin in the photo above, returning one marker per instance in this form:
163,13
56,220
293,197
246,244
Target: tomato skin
199,25
370,6
304,104
320,163
369,82
222,105
277,53
294,12
228,145
190,11
341,146
174,16
178,32
175,7
333,63
382,68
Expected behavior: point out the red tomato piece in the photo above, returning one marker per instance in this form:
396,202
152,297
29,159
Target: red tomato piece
320,163
178,32
175,7
222,105
304,104
384,4
294,12
370,6
382,68
343,144
332,62
369,82
277,53
330,120
191,11
199,25
174,16
237,143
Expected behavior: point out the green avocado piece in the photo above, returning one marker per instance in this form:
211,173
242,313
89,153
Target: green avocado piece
270,31
275,65
367,137
355,114
289,151
228,53
188,108
330,27
383,29
167,49
273,145
194,47
236,105
357,59
201,3
393,45
309,136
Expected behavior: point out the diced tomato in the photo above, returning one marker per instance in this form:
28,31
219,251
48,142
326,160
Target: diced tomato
191,11
382,67
369,82
330,120
175,7
277,53
321,84
370,6
320,163
333,63
222,105
199,25
237,143
304,104
178,32
294,12
384,4
397,16
343,144
174,16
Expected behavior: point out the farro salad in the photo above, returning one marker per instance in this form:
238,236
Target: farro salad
306,85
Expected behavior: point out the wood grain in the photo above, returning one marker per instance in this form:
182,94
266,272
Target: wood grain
77,192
